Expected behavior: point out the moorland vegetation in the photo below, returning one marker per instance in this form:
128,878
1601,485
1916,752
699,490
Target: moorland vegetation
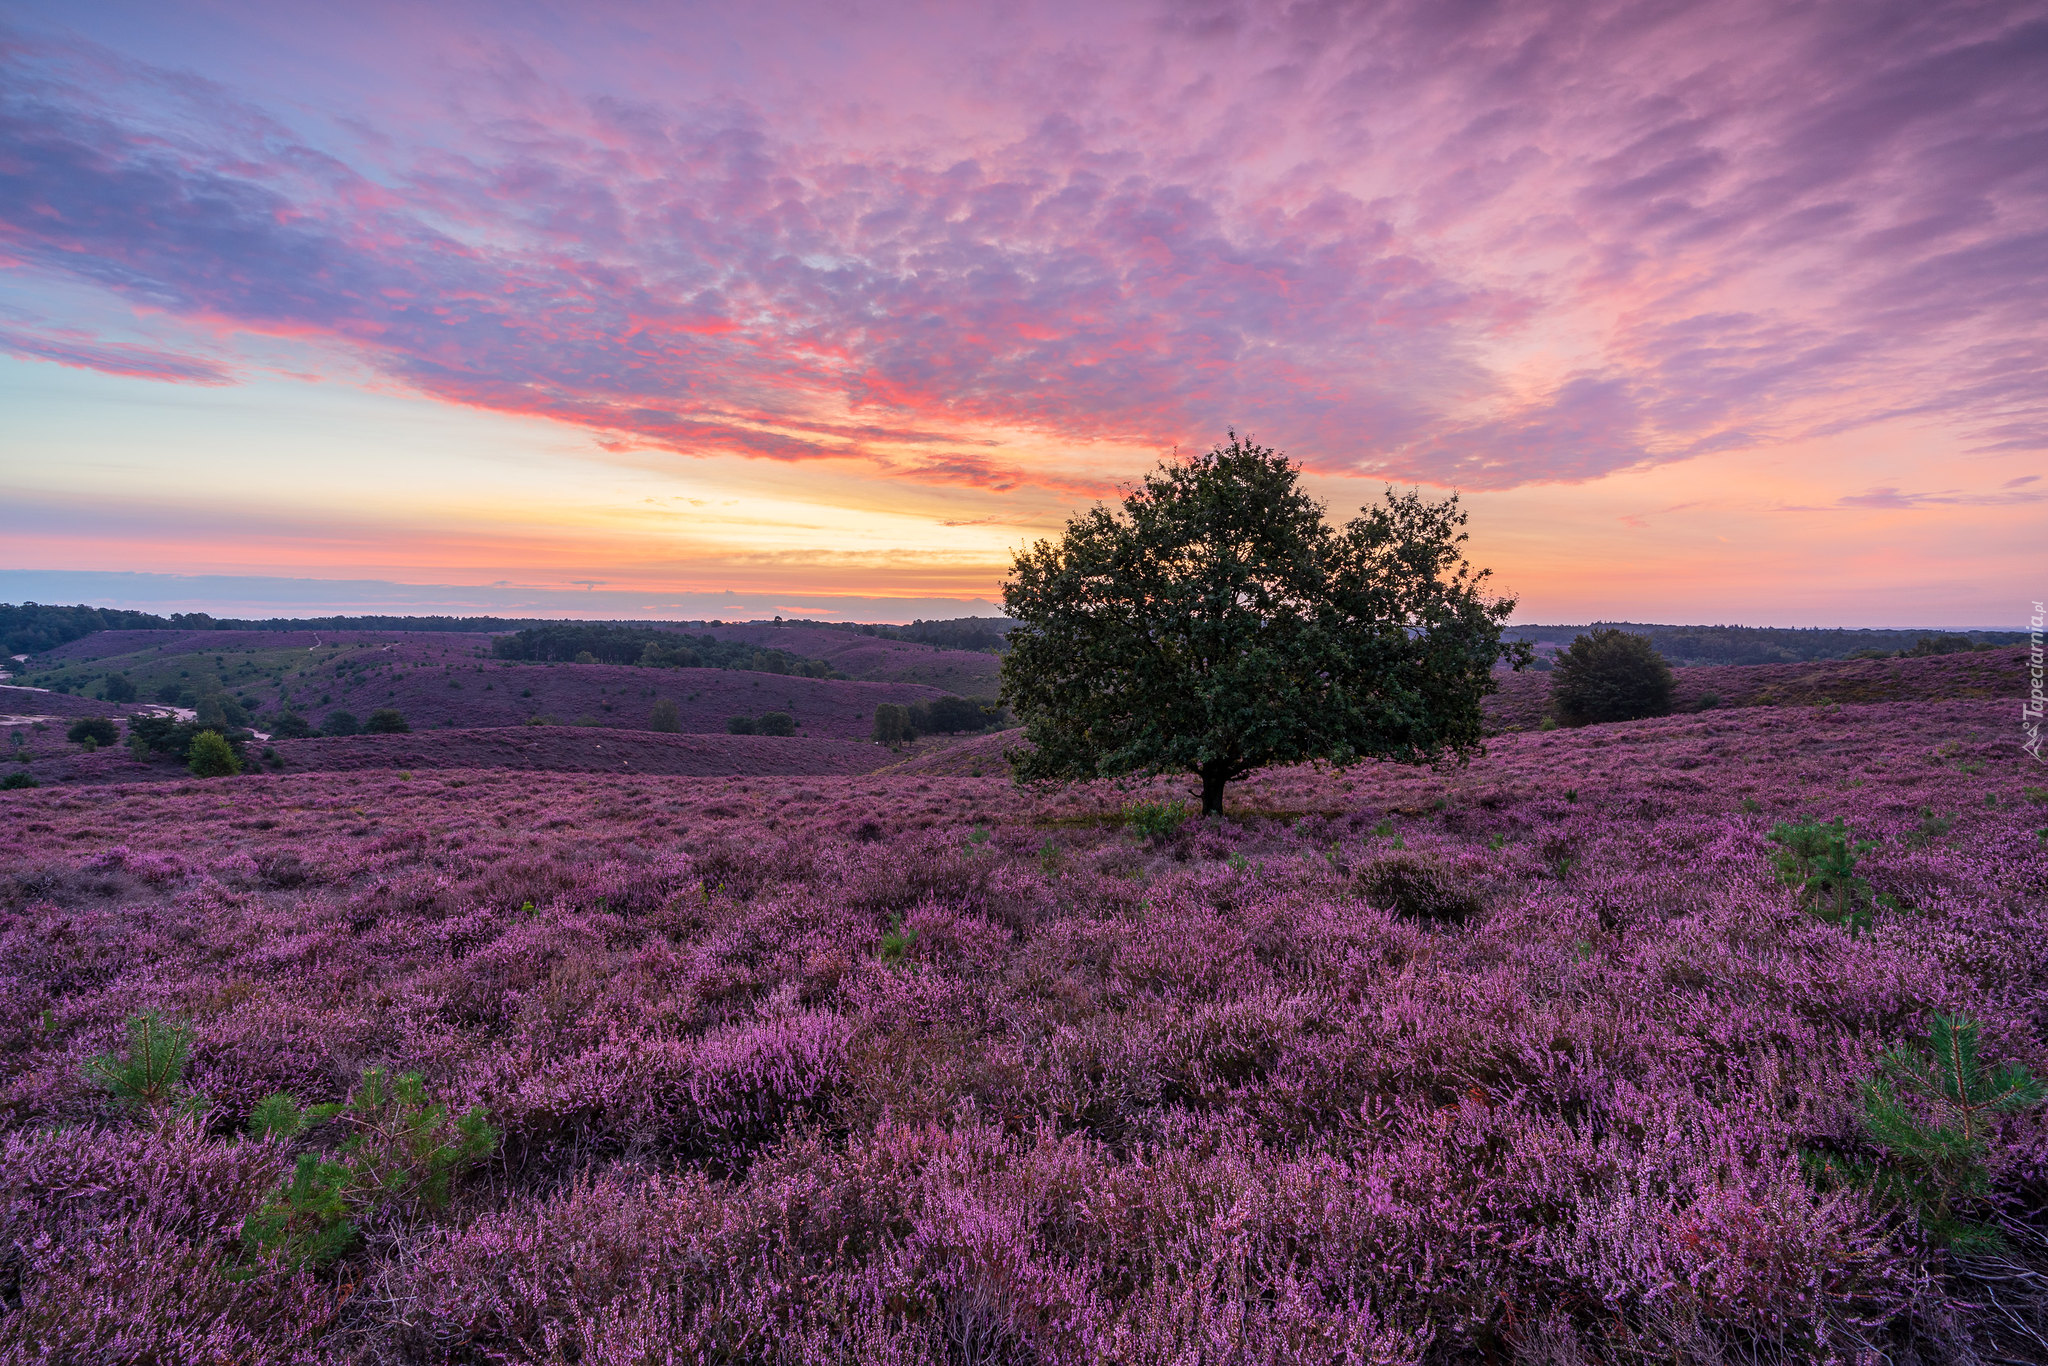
1709,1026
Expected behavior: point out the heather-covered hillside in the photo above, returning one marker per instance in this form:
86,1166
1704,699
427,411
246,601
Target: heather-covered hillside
1515,1062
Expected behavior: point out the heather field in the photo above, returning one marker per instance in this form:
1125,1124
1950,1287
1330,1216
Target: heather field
1515,1062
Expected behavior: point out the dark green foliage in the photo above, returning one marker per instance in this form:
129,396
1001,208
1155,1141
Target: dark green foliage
594,644
17,780
1155,820
32,628
101,730
1930,1109
1215,624
211,756
1943,644
892,724
950,716
1818,860
775,723
291,726
401,1149
662,716
1417,887
1610,676
171,694
386,721
739,725
340,723
1763,644
118,688
151,1072
1930,829
897,942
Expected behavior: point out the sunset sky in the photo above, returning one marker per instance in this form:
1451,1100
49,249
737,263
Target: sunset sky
1715,311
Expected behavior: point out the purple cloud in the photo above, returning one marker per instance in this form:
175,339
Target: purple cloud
1461,245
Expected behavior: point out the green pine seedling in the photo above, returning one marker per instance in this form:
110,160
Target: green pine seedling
1818,860
1155,820
897,941
152,1071
305,1226
1936,1144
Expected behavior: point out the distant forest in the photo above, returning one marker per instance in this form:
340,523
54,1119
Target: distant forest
1685,645
31,628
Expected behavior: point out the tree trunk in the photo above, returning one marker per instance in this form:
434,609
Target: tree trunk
1212,791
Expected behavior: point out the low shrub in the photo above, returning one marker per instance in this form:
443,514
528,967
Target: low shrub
340,723
739,725
17,780
775,723
386,721
1417,887
1155,820
101,730
663,717
291,726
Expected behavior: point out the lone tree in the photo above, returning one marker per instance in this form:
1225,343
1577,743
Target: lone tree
1216,624
1610,675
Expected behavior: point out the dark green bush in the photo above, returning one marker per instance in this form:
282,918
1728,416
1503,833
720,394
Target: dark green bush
291,726
662,716
340,723
101,730
17,780
775,723
211,756
1155,820
1610,675
739,725
118,688
386,721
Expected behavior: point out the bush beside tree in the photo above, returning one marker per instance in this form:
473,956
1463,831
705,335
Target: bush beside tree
118,688
775,723
1610,675
340,723
386,721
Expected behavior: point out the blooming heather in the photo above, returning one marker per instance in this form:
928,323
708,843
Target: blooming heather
1229,1093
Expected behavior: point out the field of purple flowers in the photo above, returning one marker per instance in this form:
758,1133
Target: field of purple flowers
1515,1062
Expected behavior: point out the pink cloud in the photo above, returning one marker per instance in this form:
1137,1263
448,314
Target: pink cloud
1335,225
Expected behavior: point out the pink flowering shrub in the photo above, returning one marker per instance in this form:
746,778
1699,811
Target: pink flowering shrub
1523,1061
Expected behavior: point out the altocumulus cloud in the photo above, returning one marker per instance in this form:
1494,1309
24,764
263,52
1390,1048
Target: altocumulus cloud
1482,246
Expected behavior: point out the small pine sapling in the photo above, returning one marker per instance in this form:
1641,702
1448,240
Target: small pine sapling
152,1071
897,942
1818,860
1930,1108
401,1148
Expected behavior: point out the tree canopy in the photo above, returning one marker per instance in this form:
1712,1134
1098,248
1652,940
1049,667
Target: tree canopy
1215,624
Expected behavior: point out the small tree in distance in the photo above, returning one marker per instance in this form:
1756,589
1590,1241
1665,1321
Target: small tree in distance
101,730
340,723
892,724
1610,675
1216,624
386,721
662,716
211,756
